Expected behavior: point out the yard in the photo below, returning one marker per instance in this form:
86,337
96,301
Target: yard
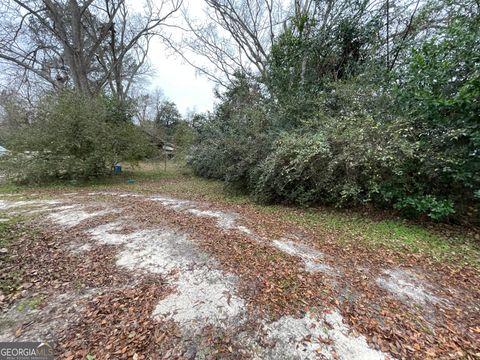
161,264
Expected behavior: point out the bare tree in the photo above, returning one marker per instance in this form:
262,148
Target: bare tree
148,105
232,36
90,44
237,35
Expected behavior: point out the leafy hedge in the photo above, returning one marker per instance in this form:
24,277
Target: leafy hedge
72,137
408,140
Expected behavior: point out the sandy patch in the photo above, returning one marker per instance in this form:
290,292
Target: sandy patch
156,251
407,286
172,203
203,297
105,234
129,195
312,258
48,209
6,205
160,251
101,193
73,217
224,220
312,337
79,249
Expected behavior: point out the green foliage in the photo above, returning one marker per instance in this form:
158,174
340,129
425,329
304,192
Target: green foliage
118,111
296,171
439,92
235,139
334,123
73,137
184,137
341,156
436,209
167,117
313,51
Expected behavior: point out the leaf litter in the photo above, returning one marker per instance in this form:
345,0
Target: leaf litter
264,288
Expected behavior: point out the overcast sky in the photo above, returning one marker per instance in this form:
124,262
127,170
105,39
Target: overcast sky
178,80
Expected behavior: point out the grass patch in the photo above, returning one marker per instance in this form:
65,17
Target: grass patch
176,180
31,303
6,188
397,235
193,187
132,174
146,177
9,280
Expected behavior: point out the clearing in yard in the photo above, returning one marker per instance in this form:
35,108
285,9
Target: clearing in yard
171,266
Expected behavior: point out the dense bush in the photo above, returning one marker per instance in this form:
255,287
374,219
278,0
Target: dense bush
297,170
341,156
235,139
439,95
73,137
339,126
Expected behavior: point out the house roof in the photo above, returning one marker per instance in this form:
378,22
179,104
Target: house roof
2,149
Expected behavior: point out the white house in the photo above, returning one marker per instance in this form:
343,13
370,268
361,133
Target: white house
3,151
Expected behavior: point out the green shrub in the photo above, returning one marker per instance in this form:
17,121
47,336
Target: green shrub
72,137
235,139
438,95
428,204
347,130
296,171
338,161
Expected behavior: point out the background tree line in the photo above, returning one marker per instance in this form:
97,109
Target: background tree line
71,70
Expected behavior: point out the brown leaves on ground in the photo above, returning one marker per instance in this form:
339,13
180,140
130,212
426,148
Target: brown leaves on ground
276,284
117,322
271,281
115,319
118,325
409,330
44,255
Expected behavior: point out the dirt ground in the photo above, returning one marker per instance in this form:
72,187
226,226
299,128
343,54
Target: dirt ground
128,275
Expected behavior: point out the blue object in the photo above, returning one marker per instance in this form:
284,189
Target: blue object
130,181
117,169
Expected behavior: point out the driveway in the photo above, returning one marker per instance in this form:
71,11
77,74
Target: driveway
128,275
